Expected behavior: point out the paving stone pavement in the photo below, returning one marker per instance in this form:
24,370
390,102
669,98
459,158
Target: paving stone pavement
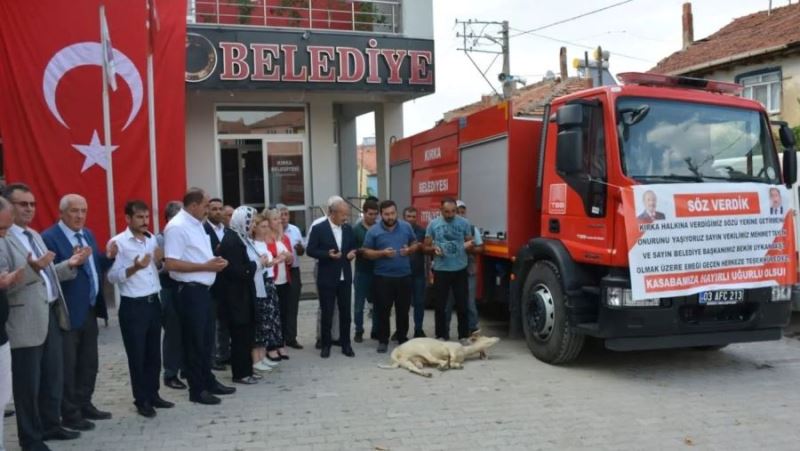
742,398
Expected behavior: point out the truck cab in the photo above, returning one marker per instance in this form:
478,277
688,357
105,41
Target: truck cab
572,278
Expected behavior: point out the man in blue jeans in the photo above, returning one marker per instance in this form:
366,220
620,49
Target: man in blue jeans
417,273
363,275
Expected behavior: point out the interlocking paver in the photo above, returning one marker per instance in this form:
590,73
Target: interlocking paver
743,397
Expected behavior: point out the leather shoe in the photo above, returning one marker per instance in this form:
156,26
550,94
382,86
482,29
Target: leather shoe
220,389
216,366
295,345
174,382
80,424
60,433
419,334
93,413
359,337
326,352
146,410
383,347
36,447
318,344
348,351
161,403
205,398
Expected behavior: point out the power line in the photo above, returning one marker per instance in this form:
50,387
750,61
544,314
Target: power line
570,19
587,47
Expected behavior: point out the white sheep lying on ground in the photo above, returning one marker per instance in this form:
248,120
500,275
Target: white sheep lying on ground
417,353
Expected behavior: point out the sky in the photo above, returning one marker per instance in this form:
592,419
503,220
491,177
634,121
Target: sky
638,34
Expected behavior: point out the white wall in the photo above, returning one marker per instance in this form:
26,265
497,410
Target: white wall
388,123
790,86
323,162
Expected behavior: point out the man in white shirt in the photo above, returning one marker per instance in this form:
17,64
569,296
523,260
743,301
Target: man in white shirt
136,274
192,264
289,308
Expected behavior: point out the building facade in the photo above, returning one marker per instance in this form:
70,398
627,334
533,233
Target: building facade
273,89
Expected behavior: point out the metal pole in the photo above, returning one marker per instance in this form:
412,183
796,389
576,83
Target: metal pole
112,223
508,84
151,125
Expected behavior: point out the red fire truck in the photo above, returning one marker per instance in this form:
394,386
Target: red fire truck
546,193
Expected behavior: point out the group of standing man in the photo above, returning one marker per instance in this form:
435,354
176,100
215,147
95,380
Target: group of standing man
50,299
391,270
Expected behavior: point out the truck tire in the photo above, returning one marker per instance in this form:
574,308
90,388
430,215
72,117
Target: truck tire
710,348
544,316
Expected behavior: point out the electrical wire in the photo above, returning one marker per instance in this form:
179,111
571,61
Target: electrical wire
588,13
583,46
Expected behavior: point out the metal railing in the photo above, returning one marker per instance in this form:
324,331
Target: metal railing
373,16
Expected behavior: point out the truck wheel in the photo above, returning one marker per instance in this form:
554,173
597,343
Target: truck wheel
544,316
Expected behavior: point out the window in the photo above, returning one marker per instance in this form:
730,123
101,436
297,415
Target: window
764,86
267,121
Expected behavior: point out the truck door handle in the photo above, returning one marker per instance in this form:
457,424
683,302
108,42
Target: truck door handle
554,226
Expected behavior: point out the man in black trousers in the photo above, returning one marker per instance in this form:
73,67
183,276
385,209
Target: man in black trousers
215,227
192,264
135,272
332,243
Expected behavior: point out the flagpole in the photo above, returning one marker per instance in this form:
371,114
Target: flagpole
107,138
151,122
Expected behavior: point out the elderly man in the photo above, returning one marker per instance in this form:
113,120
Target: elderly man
135,272
332,243
85,301
35,323
172,347
289,307
335,319
193,266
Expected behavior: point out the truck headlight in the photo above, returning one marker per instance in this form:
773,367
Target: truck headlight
781,293
622,297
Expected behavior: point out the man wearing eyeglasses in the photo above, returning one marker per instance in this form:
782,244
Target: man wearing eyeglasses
37,315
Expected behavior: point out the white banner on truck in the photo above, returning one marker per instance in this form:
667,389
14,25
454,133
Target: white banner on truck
712,238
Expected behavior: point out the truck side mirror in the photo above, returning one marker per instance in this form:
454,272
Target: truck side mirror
787,137
789,165
569,116
569,153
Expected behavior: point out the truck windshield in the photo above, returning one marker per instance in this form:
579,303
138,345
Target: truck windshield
664,141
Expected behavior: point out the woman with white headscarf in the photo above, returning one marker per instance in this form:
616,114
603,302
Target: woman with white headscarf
243,266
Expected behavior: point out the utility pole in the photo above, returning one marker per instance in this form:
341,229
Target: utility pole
472,43
508,83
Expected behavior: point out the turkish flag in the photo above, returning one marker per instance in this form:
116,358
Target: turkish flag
51,116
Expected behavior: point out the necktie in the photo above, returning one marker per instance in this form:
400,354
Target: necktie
48,270
88,268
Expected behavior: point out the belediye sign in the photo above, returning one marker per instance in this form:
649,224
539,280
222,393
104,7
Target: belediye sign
218,58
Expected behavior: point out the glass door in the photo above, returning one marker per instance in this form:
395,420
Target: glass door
286,175
242,164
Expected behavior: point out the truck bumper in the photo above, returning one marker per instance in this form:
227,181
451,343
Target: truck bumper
683,322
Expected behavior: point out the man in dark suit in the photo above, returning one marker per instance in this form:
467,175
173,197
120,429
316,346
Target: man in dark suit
85,301
650,213
332,243
215,227
37,317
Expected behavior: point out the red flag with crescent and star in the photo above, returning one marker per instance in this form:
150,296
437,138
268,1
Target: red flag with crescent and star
51,116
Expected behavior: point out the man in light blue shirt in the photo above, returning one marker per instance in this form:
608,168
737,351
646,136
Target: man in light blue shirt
472,308
448,239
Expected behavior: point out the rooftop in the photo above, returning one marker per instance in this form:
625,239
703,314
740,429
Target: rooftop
746,37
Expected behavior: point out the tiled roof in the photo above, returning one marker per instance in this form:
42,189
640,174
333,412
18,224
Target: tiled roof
527,100
745,37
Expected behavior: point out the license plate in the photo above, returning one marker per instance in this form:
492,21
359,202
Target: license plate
721,297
